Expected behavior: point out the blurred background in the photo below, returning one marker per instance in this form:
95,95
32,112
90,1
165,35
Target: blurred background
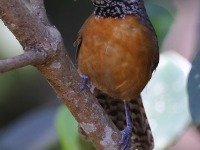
32,117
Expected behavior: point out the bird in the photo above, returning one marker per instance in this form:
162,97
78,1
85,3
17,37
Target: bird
117,52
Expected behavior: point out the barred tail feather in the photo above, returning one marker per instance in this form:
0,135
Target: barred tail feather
141,131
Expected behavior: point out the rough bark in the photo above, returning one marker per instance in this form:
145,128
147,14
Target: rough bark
33,31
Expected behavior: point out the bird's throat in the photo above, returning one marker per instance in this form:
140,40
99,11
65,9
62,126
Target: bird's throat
117,8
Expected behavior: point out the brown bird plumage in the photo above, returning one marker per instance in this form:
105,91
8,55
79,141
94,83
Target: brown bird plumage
118,51
118,55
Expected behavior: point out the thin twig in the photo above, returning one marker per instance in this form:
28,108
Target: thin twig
30,57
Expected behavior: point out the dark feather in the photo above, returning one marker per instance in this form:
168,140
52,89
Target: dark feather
141,131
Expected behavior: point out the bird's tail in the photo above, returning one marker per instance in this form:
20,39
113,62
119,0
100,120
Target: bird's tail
141,132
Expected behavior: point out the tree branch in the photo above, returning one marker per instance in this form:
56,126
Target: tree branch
24,25
30,57
38,9
59,71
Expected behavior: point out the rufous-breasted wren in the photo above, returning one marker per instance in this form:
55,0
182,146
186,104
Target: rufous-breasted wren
117,51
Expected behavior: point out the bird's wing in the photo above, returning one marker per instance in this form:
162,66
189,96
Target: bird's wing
78,41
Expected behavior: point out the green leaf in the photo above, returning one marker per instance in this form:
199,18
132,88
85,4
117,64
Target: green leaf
166,100
67,129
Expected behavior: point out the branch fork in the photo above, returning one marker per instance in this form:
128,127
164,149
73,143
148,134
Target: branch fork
49,56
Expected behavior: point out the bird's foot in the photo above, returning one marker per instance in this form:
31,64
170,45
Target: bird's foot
126,138
85,81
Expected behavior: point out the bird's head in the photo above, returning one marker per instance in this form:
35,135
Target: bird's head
101,2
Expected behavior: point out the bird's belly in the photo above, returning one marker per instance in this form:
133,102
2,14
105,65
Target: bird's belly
118,61
122,76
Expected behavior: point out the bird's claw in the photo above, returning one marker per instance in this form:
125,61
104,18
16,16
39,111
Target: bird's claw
126,138
85,81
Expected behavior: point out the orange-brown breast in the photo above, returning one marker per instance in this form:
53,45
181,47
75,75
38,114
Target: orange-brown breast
117,55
